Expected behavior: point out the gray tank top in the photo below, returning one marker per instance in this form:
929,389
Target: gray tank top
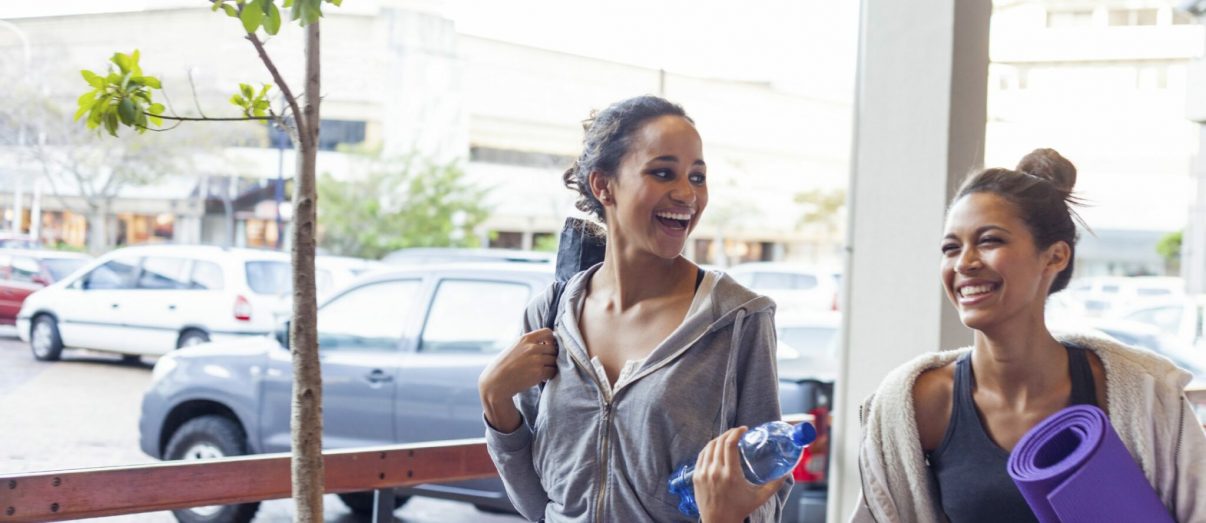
973,483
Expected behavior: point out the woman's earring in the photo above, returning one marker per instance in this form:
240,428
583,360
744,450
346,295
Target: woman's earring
603,197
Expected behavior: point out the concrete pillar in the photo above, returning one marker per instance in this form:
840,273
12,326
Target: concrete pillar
920,107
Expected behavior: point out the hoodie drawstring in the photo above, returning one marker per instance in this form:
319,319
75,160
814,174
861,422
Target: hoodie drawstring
730,377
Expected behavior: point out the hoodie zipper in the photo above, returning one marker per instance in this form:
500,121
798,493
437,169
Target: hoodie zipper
604,444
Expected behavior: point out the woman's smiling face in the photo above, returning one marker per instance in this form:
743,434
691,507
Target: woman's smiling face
660,188
991,269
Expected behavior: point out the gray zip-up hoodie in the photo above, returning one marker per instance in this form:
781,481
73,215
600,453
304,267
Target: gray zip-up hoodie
578,457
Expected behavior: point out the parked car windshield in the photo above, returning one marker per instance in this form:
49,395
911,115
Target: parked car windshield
269,277
60,267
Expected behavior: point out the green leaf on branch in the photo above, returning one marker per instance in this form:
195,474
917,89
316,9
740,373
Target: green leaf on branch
127,111
272,24
251,16
121,97
93,79
230,10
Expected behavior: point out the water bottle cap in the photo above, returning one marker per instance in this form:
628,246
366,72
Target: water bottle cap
804,434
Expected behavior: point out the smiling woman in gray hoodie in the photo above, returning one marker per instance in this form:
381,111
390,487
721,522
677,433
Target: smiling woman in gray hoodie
651,363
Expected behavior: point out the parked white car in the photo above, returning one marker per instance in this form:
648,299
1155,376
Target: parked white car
1101,296
149,300
796,288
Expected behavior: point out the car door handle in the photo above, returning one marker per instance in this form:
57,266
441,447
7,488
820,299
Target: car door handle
172,307
379,376
114,306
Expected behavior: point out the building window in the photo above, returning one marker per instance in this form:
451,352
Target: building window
1183,18
1120,17
1070,18
506,240
331,134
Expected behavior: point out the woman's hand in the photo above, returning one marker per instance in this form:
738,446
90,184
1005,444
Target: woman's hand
721,490
531,360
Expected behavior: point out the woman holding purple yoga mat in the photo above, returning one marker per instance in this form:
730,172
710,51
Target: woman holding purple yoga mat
938,432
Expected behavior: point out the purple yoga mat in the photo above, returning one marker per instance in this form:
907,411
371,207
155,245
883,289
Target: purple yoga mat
1072,468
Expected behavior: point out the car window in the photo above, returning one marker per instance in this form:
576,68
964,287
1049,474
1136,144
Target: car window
474,316
269,277
164,273
207,275
367,318
1150,291
811,342
1167,319
784,280
113,274
25,268
61,267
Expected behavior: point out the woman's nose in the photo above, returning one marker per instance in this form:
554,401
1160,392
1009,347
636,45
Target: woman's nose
683,191
968,261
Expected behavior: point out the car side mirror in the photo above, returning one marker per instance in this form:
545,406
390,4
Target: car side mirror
282,334
41,280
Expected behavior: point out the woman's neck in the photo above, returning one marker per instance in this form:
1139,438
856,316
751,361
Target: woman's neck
627,279
1020,362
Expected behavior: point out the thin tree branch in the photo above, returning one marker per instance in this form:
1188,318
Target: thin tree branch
196,101
298,120
211,119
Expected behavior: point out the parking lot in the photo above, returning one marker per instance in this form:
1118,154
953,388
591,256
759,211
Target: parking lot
83,412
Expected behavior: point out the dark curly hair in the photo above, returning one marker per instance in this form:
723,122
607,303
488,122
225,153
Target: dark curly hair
608,137
1041,189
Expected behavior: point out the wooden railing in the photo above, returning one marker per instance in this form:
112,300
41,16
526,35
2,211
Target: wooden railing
87,493
113,491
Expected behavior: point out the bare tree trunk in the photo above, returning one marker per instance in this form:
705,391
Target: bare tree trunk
307,374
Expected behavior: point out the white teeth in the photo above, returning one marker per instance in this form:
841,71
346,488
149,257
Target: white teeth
673,216
972,290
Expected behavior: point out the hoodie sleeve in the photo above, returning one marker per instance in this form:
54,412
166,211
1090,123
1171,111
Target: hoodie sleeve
1190,491
512,452
758,393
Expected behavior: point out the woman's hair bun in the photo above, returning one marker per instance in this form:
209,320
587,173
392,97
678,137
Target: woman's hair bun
1048,164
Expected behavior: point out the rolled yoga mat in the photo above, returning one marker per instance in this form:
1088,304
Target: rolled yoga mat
1073,468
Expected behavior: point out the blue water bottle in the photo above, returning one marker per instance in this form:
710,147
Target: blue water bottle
768,452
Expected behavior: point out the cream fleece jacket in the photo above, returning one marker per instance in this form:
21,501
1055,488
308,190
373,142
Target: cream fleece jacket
1146,404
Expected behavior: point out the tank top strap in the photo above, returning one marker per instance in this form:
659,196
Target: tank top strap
1084,390
962,404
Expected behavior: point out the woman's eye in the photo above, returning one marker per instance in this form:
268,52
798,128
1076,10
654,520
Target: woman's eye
949,248
990,239
662,173
699,179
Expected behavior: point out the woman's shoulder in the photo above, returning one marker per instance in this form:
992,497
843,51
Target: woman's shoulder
933,395
1128,366
896,394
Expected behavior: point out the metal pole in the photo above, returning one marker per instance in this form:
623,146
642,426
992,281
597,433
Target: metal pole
280,187
17,195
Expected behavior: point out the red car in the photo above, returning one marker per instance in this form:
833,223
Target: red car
25,271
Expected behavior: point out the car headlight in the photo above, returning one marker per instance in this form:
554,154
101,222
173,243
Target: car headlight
163,367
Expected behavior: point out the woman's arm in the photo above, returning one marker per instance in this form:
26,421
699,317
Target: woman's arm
510,395
757,402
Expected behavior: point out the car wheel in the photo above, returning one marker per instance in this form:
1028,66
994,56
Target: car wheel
44,339
361,503
192,337
209,437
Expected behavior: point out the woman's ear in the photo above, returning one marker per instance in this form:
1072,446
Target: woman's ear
600,186
1059,254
